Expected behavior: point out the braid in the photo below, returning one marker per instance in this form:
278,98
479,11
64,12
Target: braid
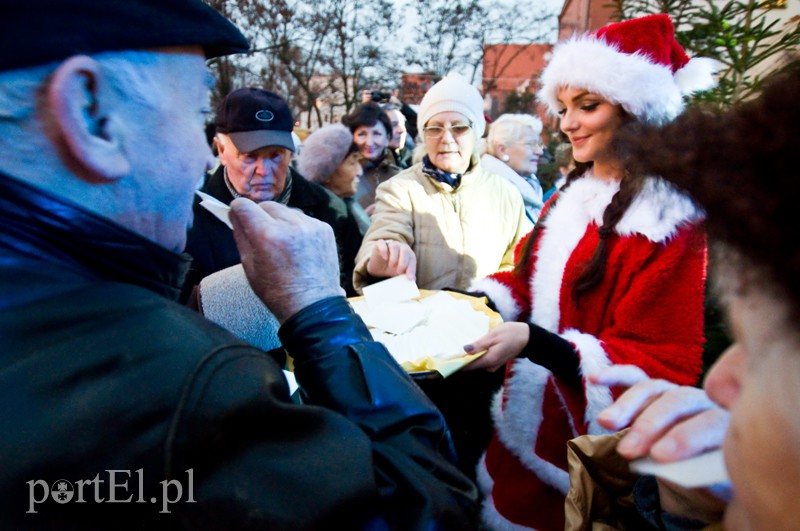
592,271
527,250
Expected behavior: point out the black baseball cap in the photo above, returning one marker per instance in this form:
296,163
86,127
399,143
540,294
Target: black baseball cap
36,32
255,118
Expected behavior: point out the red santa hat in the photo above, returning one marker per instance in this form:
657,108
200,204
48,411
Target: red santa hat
636,63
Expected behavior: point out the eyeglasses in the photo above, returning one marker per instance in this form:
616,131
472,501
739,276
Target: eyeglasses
533,146
437,131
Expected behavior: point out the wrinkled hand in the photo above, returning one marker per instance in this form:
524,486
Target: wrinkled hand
668,423
502,343
391,259
289,258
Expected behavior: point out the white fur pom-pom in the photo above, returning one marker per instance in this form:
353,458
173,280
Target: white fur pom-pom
698,74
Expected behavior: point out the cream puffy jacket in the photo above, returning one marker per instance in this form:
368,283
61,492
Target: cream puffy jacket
457,235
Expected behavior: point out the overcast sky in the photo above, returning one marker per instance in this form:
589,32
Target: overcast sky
405,34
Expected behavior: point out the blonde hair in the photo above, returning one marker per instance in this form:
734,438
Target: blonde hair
508,128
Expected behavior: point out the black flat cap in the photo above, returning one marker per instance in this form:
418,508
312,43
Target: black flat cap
255,118
35,32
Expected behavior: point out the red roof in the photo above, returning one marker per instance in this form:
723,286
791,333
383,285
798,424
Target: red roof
508,66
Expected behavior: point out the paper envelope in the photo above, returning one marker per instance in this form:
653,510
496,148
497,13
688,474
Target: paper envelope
447,365
220,210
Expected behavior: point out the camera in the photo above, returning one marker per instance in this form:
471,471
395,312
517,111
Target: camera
380,96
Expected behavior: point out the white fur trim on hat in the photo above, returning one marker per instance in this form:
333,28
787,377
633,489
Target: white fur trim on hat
644,89
323,151
453,93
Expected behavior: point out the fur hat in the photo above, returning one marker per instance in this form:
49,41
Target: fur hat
323,151
636,63
453,93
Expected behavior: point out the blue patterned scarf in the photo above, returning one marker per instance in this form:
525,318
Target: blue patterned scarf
453,179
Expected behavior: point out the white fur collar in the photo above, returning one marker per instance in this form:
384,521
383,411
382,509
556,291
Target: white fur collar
658,211
655,213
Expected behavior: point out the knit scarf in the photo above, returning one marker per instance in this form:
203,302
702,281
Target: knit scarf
453,179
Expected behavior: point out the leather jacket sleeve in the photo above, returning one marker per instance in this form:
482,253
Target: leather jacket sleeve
366,449
340,367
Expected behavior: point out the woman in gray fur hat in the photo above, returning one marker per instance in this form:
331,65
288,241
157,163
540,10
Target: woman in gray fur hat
331,158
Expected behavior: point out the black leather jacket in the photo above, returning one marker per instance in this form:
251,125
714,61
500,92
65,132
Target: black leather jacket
109,390
210,242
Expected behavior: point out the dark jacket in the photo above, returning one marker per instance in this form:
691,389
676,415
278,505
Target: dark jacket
110,389
374,174
401,157
211,245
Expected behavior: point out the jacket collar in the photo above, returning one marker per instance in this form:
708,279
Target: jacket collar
39,225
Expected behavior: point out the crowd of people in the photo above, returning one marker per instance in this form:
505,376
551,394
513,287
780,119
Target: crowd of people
127,407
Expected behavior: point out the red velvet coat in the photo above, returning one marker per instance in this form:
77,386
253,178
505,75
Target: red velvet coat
647,311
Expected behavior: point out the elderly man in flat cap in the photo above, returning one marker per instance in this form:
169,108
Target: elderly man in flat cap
121,408
254,141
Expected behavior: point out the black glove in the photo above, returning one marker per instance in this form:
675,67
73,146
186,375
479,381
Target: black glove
554,353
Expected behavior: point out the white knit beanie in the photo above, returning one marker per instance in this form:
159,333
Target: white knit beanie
453,93
323,151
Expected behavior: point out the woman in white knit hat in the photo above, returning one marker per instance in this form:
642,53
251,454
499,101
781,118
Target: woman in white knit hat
614,271
445,221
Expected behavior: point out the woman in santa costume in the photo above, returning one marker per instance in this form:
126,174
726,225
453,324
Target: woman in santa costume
614,271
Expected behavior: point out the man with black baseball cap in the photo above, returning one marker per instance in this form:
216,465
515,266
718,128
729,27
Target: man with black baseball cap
122,408
255,146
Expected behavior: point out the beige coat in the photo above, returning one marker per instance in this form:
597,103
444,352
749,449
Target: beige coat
457,235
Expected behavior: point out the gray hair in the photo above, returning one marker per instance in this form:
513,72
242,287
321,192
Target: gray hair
130,74
508,128
20,92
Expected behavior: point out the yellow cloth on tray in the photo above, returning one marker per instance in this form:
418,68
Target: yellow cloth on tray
447,366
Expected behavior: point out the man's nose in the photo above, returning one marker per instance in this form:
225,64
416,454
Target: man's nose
264,166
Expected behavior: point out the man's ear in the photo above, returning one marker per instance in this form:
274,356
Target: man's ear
220,145
80,103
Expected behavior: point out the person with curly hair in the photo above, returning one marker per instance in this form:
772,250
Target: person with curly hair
740,166
613,272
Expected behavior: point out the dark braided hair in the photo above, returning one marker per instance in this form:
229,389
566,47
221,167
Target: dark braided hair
592,271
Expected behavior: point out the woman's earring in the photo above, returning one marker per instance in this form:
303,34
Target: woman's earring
504,158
